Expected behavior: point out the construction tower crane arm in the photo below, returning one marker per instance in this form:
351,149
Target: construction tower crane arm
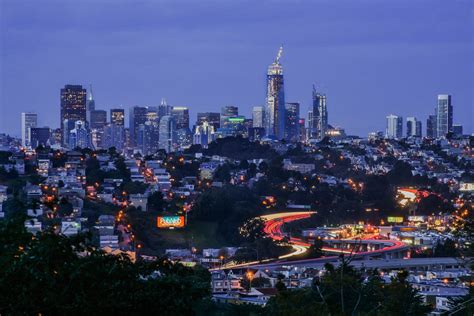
280,51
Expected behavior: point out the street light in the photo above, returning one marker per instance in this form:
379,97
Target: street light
250,276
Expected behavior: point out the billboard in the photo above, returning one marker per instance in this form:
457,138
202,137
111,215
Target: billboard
395,219
417,218
466,186
170,221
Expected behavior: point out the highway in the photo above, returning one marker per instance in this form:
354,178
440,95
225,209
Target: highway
273,228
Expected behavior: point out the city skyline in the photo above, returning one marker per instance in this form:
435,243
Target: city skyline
334,62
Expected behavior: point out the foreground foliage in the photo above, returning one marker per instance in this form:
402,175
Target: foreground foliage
51,274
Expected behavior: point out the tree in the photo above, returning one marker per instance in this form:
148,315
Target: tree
50,275
345,291
156,202
252,229
402,299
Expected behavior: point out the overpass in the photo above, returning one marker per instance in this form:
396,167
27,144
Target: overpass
414,264
365,248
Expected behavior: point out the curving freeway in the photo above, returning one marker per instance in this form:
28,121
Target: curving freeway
386,249
375,247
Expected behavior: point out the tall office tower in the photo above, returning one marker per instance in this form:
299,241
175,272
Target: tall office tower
320,115
275,108
96,136
28,121
56,137
39,136
147,138
213,118
152,115
98,119
258,116
292,115
311,125
431,127
457,130
78,136
181,117
204,134
73,106
226,112
183,138
114,136
444,115
394,127
138,115
164,108
117,117
301,130
419,133
167,136
90,105
413,127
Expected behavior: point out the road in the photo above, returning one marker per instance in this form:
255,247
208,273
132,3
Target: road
273,227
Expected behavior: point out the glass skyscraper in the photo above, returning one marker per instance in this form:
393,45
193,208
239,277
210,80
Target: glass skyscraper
181,117
394,127
28,121
275,101
431,127
292,115
73,105
117,117
227,112
213,118
258,115
444,115
138,116
319,122
167,136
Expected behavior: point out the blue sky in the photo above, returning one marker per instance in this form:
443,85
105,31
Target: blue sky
371,57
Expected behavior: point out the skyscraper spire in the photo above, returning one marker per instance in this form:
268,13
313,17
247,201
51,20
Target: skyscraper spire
90,97
280,51
90,104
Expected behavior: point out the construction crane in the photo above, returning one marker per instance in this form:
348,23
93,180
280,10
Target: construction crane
280,51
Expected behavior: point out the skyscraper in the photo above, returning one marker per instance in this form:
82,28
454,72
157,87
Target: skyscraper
204,134
78,136
457,130
292,115
320,115
114,136
444,115
213,118
226,112
98,119
164,108
138,115
181,117
39,136
258,116
419,132
413,127
167,133
147,137
28,121
73,105
275,107
117,117
431,127
90,105
394,127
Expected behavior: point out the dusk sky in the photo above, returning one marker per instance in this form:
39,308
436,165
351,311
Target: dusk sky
371,57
